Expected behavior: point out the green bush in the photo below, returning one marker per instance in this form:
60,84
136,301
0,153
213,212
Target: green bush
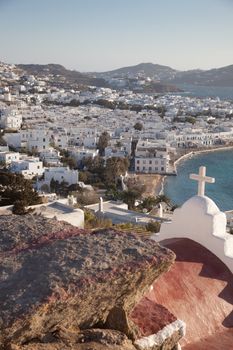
153,226
19,208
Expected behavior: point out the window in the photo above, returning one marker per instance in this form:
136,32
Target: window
138,161
138,168
150,162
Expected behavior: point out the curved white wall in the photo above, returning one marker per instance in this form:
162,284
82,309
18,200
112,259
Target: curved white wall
200,220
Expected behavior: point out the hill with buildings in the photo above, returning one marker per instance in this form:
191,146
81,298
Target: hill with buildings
153,71
62,77
166,75
60,74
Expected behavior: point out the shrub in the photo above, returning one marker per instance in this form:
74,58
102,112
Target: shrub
93,221
19,208
153,226
87,197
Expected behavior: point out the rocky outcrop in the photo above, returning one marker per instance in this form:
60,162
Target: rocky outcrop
94,339
57,282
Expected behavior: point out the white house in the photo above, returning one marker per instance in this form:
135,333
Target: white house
38,140
90,142
51,156
61,174
82,153
8,157
28,167
152,158
10,119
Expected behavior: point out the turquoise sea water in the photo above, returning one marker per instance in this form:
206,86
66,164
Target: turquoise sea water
219,164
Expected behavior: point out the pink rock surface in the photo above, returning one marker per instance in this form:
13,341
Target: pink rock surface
198,289
151,317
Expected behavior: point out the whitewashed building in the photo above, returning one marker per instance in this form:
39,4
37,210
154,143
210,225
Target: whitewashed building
152,158
51,156
61,174
28,167
80,154
10,119
9,157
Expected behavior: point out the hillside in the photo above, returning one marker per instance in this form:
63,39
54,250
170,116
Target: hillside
166,75
213,77
151,70
61,74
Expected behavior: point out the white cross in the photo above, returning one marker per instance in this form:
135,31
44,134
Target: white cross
202,179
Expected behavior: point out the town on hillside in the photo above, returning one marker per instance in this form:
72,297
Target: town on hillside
88,142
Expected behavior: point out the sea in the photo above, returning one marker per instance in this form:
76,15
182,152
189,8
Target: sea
223,93
219,165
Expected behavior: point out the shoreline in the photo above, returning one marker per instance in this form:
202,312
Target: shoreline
190,155
206,150
155,183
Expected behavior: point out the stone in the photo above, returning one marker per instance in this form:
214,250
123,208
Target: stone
93,339
63,276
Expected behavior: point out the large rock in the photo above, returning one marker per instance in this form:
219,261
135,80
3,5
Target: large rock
93,339
61,277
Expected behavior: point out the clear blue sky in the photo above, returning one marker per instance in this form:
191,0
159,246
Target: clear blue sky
99,35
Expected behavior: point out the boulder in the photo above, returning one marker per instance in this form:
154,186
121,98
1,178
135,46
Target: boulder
60,277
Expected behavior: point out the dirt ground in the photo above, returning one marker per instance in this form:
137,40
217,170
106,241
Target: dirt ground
153,183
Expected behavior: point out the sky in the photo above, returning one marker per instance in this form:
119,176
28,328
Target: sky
100,35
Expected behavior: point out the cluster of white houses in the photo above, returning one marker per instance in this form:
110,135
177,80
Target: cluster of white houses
43,129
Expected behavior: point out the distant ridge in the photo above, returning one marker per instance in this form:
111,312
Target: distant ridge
213,77
149,69
71,76
165,76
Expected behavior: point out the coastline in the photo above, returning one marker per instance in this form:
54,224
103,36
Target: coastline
155,182
190,154
206,150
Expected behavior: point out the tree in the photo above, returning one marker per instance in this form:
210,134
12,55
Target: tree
19,208
138,126
129,197
107,173
70,162
162,198
61,188
94,166
161,111
153,226
115,167
103,142
14,188
190,120
148,203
